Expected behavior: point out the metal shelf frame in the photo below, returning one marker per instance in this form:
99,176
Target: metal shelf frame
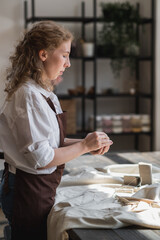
94,20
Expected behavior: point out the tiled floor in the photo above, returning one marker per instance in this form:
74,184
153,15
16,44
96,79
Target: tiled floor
3,223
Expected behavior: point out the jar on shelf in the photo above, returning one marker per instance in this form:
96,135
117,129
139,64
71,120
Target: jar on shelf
107,123
99,123
145,121
88,49
117,124
91,123
136,123
126,123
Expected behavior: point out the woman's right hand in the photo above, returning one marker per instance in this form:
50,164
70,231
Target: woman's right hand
96,140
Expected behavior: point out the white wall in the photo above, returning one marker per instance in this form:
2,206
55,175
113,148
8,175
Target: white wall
11,13
11,26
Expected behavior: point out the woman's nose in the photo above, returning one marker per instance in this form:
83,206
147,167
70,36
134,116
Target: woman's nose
68,63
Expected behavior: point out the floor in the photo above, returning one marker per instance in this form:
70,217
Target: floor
3,223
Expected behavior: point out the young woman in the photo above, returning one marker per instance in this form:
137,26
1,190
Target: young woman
32,130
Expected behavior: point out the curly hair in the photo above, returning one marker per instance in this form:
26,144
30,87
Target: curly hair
25,62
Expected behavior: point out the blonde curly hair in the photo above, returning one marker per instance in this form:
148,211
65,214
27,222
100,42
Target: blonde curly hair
25,62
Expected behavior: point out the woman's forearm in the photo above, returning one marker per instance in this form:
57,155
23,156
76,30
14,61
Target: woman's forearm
65,154
92,142
70,141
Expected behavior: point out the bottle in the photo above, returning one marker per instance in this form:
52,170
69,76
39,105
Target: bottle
145,121
126,123
107,123
117,124
136,123
91,123
98,123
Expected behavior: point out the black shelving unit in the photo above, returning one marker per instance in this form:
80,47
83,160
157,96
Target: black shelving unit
136,97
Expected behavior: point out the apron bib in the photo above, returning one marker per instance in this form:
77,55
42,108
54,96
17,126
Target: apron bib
34,196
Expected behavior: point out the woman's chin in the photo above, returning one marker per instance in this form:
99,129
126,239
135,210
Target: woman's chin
57,80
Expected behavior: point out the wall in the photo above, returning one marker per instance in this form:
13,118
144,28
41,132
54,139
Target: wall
11,19
11,24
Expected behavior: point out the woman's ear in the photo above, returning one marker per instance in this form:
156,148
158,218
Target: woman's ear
43,55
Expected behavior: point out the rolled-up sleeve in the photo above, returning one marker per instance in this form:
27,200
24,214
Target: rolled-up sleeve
31,131
40,155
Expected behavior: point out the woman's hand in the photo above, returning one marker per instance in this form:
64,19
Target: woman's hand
97,143
101,151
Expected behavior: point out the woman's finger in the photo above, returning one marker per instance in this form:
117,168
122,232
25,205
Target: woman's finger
105,149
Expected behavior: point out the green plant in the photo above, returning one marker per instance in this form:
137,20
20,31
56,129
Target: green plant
119,12
119,35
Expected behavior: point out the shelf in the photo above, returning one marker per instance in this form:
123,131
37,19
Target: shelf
79,19
141,20
139,58
82,58
113,95
97,98
67,96
124,95
146,95
63,19
83,134
130,134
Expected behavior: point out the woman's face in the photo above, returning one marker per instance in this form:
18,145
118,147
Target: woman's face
55,62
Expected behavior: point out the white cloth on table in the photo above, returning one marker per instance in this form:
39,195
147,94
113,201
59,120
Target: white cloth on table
82,203
95,161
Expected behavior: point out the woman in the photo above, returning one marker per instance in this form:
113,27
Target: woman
33,130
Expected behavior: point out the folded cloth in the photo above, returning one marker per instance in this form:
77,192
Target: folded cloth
149,192
87,160
89,175
82,203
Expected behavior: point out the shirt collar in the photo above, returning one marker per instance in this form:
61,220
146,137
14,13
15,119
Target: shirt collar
43,91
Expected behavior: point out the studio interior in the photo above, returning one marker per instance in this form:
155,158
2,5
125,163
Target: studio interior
112,86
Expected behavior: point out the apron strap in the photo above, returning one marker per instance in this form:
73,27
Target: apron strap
50,103
6,177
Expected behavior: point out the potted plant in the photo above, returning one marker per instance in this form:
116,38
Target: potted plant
119,12
118,35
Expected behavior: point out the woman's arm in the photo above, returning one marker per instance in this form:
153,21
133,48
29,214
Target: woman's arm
92,142
70,141
101,151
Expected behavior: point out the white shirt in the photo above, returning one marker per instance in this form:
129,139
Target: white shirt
29,131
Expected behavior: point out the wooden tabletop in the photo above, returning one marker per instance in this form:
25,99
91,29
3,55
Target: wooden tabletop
115,234
129,233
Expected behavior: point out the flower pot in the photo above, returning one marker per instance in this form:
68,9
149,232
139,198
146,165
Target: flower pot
88,49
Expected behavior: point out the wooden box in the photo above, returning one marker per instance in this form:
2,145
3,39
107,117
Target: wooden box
70,107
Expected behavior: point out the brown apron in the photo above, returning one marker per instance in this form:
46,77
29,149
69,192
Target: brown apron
34,196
